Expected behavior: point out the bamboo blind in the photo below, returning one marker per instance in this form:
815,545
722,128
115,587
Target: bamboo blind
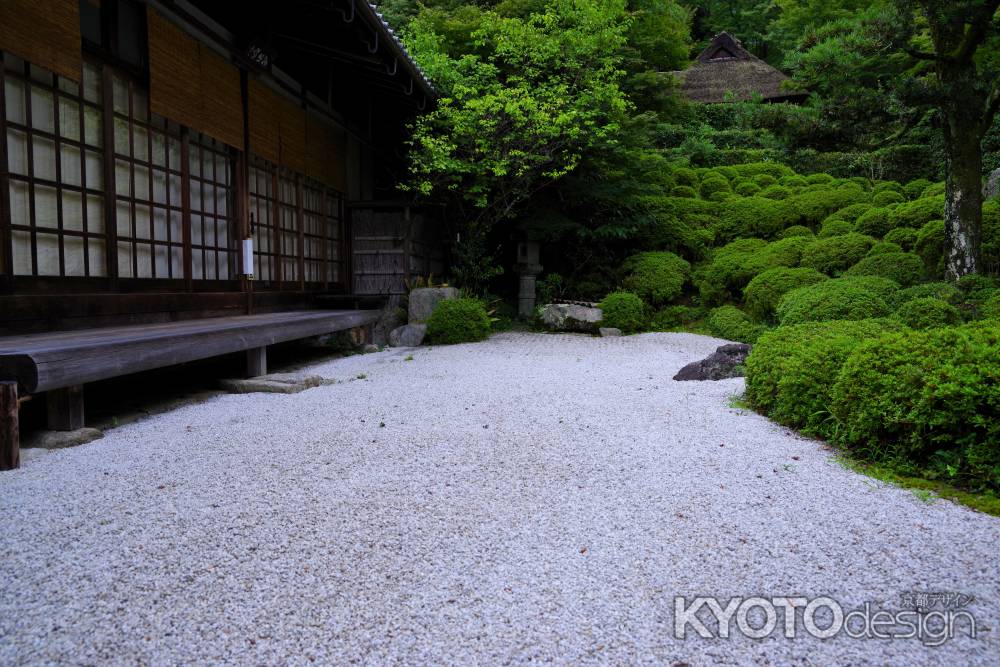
44,32
193,85
292,134
263,112
326,148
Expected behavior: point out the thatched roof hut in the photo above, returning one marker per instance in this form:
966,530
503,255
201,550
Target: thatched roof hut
725,71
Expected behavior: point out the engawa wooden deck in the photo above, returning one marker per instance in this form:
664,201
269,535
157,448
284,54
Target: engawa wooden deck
61,362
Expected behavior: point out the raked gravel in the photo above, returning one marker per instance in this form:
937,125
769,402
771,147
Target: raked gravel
534,497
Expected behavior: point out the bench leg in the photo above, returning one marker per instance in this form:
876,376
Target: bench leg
256,362
65,408
10,448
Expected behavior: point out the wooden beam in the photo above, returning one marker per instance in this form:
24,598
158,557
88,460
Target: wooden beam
10,452
65,408
256,362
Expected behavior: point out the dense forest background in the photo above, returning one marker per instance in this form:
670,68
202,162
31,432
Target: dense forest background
559,119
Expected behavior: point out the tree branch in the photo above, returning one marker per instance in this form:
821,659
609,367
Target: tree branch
975,34
923,55
992,107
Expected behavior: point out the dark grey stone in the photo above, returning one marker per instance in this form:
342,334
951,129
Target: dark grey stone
571,317
992,189
609,332
409,335
726,362
423,300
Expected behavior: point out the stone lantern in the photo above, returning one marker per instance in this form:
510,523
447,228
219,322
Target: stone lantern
528,267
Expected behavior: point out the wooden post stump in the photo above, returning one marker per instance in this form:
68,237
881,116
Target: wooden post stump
65,408
10,448
256,362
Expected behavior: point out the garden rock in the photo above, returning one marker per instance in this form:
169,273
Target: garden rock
726,362
61,439
571,317
609,332
992,189
275,383
408,335
423,300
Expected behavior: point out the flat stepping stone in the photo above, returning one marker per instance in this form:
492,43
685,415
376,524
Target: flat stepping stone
274,383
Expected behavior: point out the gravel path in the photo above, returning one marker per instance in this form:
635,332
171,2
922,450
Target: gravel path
530,498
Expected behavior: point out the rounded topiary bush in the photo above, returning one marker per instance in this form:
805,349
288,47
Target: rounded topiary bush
991,233
752,169
990,307
724,275
672,318
784,252
841,299
796,230
751,216
874,222
684,191
458,321
713,184
731,323
887,197
927,313
765,291
976,287
933,190
764,180
776,192
904,236
883,247
835,227
916,396
887,186
814,207
837,253
904,268
850,213
747,189
685,176
792,369
917,213
943,291
793,181
914,189
930,246
623,310
657,277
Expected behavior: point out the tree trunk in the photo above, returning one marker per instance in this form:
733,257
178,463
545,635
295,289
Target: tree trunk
963,136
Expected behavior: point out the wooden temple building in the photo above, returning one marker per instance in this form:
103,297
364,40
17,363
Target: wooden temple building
181,179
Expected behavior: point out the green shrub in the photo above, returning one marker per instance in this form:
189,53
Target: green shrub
765,291
672,318
904,268
776,192
752,169
764,180
685,176
747,189
752,216
731,323
990,308
458,321
914,189
927,313
714,184
851,213
841,299
814,207
943,291
796,230
917,213
793,181
724,275
657,277
818,179
930,246
792,369
927,398
933,190
685,191
887,186
888,197
835,227
976,287
875,222
623,310
991,235
884,247
904,236
837,253
784,252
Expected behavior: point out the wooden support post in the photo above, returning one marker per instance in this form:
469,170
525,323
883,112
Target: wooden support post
65,408
256,362
10,449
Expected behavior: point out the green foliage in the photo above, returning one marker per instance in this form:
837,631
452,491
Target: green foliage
772,169
747,189
915,189
930,245
835,227
943,291
685,191
724,275
927,313
766,290
904,268
851,213
752,216
930,398
835,254
888,197
874,222
990,308
840,299
784,252
796,230
672,318
458,321
885,247
792,370
686,176
904,236
917,213
623,310
776,192
815,206
657,277
716,184
991,235
731,323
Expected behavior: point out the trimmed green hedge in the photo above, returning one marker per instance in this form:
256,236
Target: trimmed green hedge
731,323
874,222
657,277
927,313
840,299
944,291
724,275
835,227
458,321
930,245
917,213
623,310
904,268
765,291
838,253
904,236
